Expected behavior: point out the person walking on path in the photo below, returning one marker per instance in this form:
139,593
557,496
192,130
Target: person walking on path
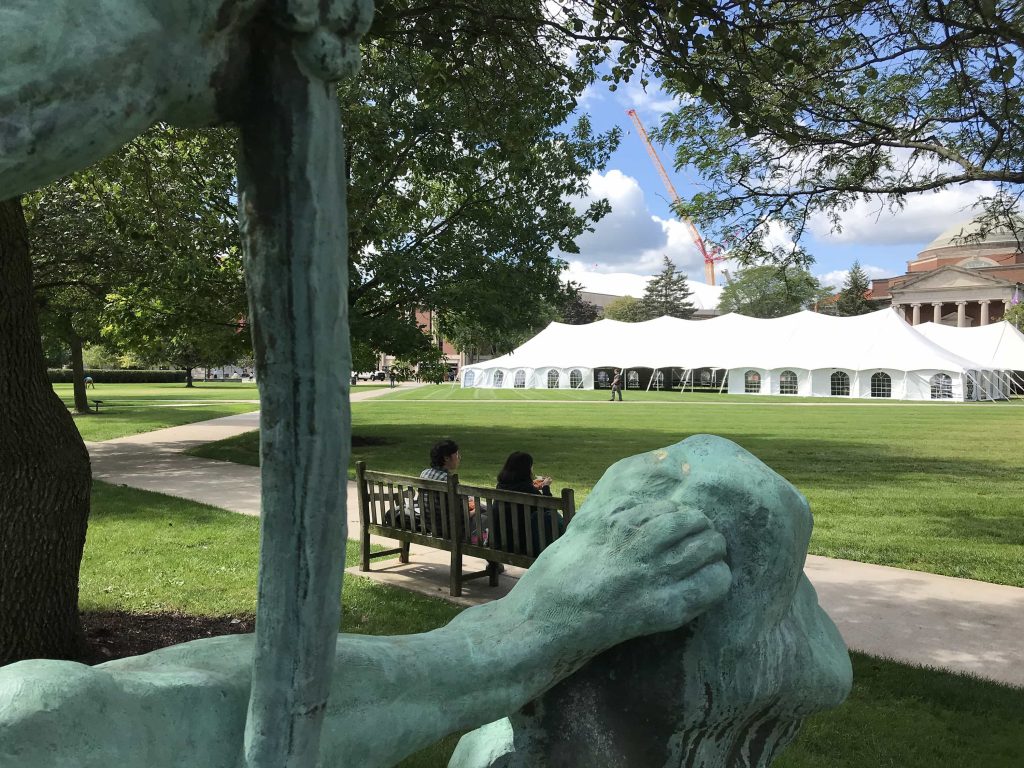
617,385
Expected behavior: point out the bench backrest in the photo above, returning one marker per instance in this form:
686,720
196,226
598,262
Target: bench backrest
521,523
407,503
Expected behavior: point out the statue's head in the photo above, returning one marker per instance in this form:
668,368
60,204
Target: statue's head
732,687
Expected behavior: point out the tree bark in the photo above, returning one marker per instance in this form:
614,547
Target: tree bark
78,373
44,475
188,376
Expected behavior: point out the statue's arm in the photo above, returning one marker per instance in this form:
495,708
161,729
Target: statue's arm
589,592
79,78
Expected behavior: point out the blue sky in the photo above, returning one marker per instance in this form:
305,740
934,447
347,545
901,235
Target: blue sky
642,227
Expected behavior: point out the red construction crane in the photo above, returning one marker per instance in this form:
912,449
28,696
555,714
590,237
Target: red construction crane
710,256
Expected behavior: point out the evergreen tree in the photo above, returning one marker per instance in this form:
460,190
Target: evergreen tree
667,294
852,301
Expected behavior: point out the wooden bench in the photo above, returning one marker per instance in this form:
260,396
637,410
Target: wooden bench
435,514
97,404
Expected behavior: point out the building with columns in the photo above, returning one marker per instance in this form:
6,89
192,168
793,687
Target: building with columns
957,280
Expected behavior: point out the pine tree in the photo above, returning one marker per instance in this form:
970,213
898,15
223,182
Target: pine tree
667,294
852,301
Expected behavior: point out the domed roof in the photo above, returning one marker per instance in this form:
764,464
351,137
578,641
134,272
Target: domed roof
954,236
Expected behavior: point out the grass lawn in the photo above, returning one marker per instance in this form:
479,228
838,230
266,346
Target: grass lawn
936,488
129,409
147,552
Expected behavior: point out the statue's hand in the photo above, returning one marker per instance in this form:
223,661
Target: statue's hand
628,571
329,32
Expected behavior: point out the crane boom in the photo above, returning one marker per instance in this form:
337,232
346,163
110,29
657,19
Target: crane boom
709,257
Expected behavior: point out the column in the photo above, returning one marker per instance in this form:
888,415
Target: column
961,314
900,310
936,312
984,311
917,313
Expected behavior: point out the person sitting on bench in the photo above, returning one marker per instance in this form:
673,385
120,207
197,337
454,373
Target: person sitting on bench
445,457
517,475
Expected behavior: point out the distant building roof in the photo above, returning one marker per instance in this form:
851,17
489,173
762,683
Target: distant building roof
618,284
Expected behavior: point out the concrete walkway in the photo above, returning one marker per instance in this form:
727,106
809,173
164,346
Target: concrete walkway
921,618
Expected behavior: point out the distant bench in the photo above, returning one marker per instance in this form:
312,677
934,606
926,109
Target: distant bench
434,513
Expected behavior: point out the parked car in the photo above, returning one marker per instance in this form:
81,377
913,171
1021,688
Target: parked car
369,376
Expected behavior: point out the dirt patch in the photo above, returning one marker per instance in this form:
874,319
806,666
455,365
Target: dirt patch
116,634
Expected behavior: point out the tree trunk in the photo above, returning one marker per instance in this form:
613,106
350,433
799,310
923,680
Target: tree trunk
188,376
44,475
78,373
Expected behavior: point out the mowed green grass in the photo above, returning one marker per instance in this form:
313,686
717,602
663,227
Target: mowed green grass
937,488
148,552
129,409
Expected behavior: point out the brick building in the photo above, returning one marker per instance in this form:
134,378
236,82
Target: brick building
956,281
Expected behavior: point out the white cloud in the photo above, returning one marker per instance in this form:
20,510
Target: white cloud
652,102
631,238
778,236
923,216
837,277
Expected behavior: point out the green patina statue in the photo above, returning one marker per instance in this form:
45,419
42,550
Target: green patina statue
79,78
728,690
623,569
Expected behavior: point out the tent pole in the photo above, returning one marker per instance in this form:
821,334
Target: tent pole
651,380
725,378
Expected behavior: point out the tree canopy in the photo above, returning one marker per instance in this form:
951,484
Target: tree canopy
461,172
142,248
790,109
575,310
771,291
1015,316
626,309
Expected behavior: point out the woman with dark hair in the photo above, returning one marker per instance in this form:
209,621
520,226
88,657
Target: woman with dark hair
517,475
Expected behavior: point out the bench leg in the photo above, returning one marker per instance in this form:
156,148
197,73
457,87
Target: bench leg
404,556
455,577
364,541
492,574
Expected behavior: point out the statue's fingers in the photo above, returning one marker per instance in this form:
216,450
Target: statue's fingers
694,552
673,529
700,591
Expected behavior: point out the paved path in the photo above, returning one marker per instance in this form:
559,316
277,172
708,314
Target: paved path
957,624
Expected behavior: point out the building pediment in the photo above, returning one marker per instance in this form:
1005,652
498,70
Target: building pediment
949,277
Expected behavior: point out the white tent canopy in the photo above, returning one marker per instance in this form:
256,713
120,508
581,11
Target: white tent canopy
998,345
807,347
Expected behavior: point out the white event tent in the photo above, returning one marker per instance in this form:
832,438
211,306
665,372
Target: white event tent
872,355
997,345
